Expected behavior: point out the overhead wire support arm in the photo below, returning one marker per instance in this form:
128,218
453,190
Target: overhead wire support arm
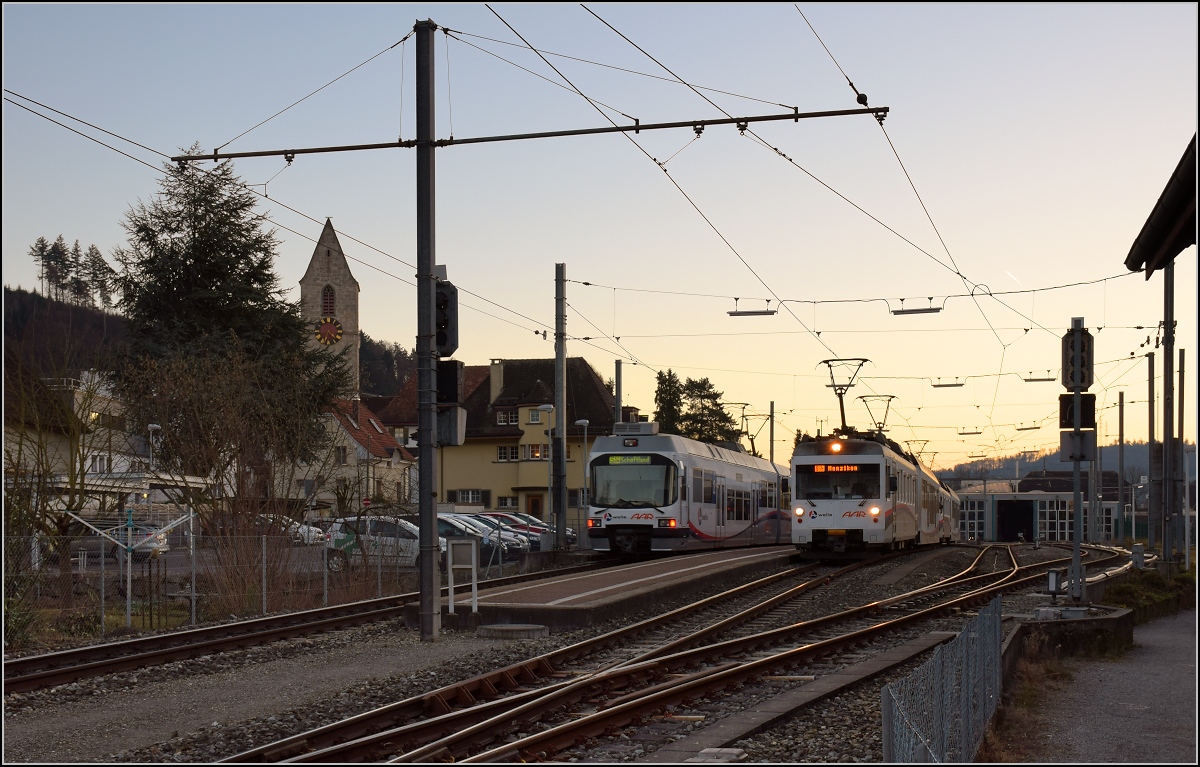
635,128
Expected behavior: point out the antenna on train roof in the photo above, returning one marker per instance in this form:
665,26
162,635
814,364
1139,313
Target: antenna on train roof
851,364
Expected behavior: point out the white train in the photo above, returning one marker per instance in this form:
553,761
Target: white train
860,491
654,492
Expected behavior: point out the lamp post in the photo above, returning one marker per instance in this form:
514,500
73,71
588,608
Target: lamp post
548,408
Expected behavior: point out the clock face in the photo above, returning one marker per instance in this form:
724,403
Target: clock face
329,331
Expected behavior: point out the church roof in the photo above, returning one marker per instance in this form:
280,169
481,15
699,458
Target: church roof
329,241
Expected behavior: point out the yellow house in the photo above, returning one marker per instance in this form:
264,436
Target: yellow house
504,464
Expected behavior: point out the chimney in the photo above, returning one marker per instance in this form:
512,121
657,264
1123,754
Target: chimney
496,377
354,410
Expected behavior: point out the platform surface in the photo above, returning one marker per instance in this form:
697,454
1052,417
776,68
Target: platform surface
583,599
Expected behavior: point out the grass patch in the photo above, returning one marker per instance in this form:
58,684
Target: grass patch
1018,732
1149,587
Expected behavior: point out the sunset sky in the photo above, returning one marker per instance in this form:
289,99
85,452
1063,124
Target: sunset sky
1038,138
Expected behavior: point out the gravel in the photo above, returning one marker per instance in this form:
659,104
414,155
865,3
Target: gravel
210,708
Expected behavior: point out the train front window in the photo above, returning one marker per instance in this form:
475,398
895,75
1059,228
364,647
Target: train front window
633,481
837,481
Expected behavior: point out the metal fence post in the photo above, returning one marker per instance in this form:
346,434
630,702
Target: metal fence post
264,575
379,573
885,708
192,554
325,576
129,571
103,606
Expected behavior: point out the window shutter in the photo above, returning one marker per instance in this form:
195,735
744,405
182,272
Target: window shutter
487,499
451,496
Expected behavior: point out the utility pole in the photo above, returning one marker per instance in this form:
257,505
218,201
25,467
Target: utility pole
430,581
1151,493
1181,494
1121,467
1168,447
773,431
558,450
617,395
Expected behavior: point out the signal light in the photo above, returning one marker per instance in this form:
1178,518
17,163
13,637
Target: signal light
666,523
445,323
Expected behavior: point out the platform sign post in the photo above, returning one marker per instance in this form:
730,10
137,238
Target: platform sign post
1076,378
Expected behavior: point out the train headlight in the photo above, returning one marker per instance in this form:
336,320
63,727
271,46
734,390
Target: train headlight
799,511
594,523
874,511
666,523
836,447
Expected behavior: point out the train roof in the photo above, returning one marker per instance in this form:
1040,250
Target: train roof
650,440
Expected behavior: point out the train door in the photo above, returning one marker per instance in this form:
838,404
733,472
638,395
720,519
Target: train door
721,493
754,512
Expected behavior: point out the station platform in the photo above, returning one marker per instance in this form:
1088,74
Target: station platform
584,599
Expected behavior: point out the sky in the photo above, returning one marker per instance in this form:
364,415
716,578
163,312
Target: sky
1024,148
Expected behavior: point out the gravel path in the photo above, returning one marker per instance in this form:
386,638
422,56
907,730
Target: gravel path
1139,708
154,705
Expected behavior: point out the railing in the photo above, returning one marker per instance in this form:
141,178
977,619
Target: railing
940,712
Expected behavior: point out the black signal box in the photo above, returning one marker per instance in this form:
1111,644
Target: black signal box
1066,411
450,382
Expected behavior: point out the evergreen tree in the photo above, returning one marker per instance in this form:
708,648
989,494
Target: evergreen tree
704,418
197,284
99,275
58,268
668,402
78,288
40,253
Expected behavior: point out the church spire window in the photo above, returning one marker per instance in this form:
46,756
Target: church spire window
328,305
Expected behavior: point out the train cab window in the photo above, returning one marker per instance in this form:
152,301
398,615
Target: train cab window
837,481
627,481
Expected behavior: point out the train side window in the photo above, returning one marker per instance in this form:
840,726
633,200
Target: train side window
710,495
698,485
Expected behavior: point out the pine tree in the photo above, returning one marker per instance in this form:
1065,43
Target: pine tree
78,288
196,284
99,275
668,402
58,268
40,253
705,418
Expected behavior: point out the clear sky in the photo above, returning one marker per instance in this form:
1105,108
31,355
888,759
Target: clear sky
1038,136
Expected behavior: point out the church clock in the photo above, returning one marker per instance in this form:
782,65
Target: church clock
329,331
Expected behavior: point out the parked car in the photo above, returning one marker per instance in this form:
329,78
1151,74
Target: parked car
302,534
571,536
148,540
511,545
391,541
531,536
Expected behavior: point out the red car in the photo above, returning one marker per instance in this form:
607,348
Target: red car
526,522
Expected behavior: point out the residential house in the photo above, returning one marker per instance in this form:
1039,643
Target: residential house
505,462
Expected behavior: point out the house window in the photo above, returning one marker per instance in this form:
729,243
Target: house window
341,455
535,452
577,499
508,453
505,417
328,306
506,502
470,496
535,415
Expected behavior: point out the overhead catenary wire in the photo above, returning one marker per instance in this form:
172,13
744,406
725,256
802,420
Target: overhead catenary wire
318,90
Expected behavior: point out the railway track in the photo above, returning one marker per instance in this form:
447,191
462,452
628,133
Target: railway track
460,719
36,672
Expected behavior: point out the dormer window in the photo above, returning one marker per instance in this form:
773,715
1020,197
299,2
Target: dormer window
328,305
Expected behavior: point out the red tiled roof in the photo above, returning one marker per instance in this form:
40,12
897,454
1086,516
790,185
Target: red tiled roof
379,442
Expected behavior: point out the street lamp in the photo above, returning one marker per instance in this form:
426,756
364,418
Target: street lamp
152,427
548,408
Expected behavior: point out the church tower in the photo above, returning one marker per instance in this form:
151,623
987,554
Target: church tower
329,300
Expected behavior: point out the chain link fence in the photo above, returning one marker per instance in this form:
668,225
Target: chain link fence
76,589
940,712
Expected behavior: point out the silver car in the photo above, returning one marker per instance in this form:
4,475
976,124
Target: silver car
146,539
